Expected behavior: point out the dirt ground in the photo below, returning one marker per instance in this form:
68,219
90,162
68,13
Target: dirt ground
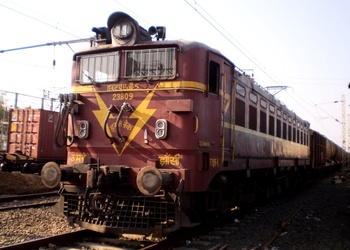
18,183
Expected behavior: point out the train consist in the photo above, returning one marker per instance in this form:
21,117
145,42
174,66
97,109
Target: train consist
30,141
161,133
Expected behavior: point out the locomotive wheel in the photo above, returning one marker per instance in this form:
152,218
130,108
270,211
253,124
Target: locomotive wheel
51,175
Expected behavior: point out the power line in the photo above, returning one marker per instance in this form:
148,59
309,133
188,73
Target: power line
133,13
229,38
49,44
244,51
38,20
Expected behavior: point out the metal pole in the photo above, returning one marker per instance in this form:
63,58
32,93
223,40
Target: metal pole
343,133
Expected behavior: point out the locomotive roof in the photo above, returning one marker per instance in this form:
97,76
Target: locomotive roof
258,89
184,45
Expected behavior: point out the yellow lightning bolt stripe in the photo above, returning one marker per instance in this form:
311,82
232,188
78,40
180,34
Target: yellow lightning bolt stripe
142,113
101,115
102,112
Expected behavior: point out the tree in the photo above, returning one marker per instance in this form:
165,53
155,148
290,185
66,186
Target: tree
4,115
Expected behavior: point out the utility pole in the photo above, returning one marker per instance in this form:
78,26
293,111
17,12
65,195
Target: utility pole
343,115
348,134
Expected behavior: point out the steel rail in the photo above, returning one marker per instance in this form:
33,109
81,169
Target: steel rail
32,205
279,229
36,244
27,196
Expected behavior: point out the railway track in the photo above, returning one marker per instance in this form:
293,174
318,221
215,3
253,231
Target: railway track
212,237
289,217
53,240
85,239
279,229
28,201
223,236
201,237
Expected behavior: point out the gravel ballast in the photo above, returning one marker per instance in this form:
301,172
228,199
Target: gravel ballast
20,225
315,218
323,222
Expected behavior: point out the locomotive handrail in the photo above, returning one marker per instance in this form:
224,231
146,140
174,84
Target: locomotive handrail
111,109
127,108
62,125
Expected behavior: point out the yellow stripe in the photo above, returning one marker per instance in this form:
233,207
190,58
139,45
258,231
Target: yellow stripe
183,85
229,125
263,135
171,85
253,132
83,89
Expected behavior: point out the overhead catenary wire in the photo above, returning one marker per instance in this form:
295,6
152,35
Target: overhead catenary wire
49,44
219,28
39,20
229,38
79,40
55,25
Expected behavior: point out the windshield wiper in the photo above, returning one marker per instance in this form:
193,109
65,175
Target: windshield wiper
92,80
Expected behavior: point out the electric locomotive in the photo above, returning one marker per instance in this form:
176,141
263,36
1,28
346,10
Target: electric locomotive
160,133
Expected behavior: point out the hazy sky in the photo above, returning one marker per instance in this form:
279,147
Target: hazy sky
300,44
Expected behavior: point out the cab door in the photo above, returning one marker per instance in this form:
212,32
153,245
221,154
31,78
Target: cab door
227,112
221,82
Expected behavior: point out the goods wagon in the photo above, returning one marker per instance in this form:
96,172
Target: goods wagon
31,141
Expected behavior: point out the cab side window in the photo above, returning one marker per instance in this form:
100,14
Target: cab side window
214,77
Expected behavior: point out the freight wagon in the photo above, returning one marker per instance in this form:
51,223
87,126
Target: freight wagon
30,141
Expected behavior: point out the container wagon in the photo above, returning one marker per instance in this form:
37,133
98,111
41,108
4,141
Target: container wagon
31,141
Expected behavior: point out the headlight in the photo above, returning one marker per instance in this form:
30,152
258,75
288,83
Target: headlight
122,31
161,129
125,30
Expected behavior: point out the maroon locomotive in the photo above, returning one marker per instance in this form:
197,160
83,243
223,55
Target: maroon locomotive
160,133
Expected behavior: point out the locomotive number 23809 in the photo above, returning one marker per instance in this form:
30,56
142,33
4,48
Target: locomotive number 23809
122,96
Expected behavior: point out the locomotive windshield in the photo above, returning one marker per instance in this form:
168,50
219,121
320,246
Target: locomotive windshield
151,64
99,68
154,64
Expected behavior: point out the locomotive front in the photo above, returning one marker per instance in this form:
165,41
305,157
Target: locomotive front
130,126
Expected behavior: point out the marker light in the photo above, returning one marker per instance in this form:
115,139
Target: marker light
83,132
161,129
